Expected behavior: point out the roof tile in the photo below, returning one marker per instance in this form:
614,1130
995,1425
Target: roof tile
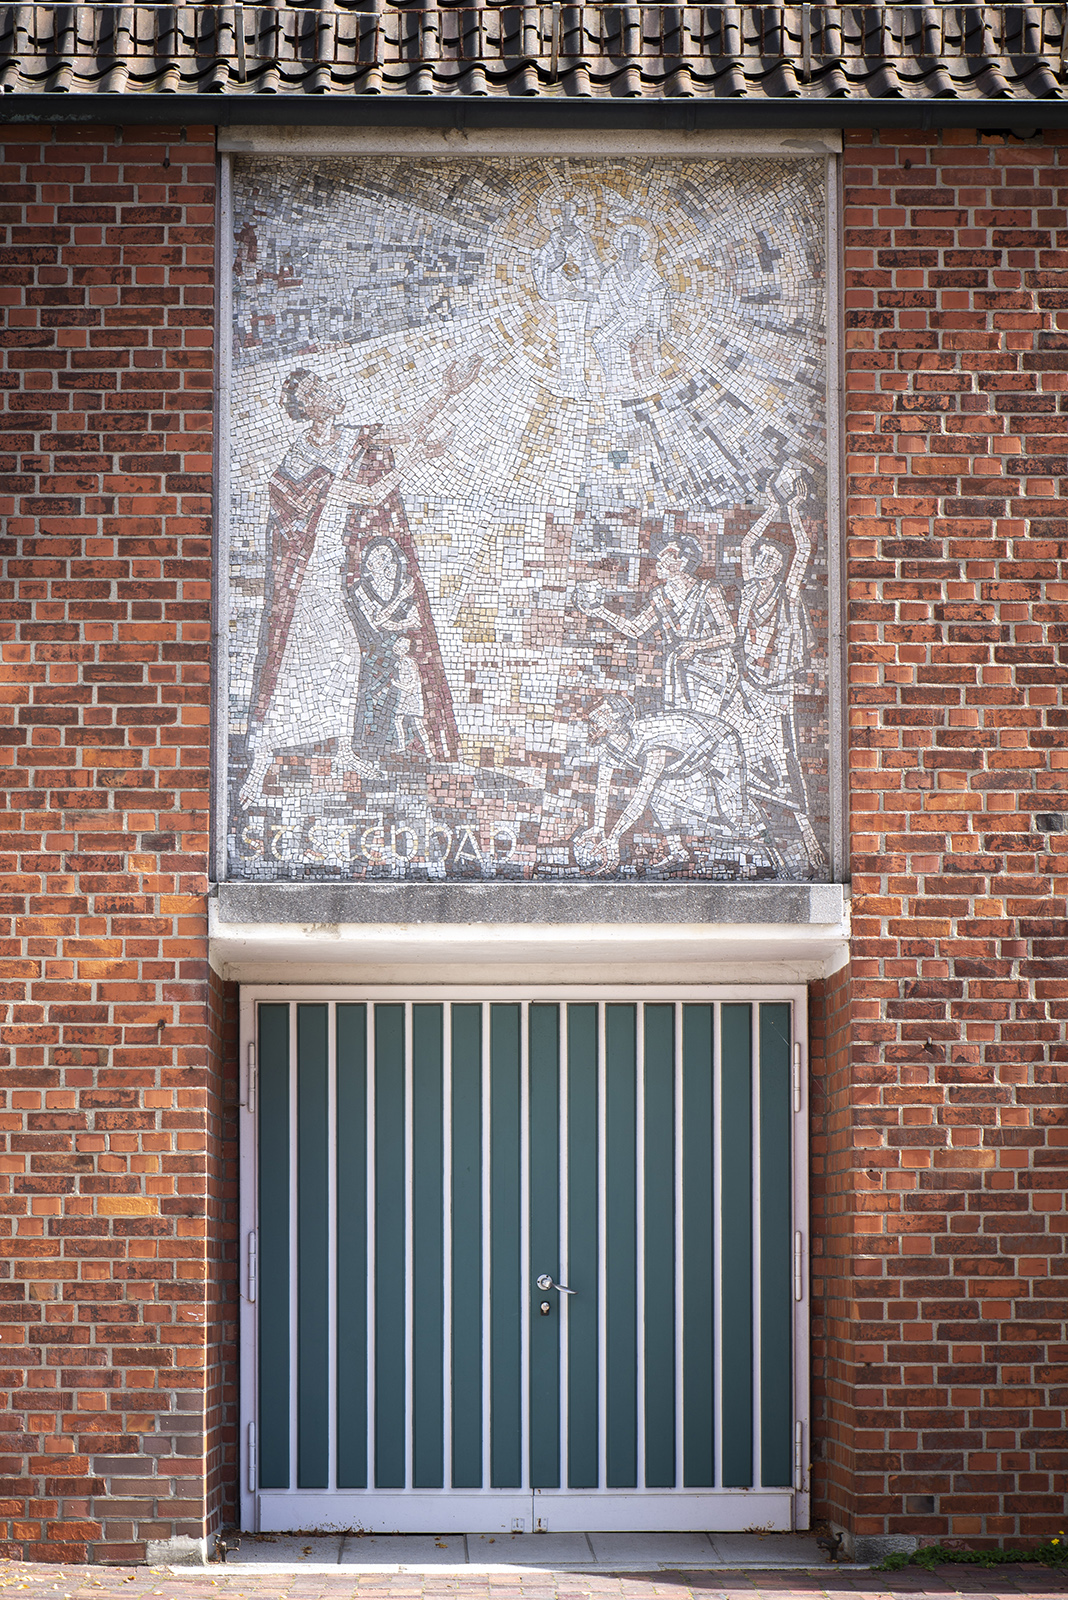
801,53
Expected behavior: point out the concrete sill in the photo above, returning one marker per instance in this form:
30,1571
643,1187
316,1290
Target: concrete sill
532,933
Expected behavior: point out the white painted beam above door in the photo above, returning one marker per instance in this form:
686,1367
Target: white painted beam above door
584,933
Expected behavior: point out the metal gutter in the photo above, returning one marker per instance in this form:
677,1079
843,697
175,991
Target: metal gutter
1022,118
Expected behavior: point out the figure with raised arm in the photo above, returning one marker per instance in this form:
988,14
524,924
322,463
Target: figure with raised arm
336,490
772,621
567,274
632,304
690,616
775,642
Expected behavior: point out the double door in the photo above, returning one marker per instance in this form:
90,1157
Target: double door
524,1263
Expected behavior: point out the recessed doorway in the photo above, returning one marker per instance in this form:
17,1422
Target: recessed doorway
524,1261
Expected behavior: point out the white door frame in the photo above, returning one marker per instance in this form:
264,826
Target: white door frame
449,1510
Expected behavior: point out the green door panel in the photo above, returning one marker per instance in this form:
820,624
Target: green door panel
312,1255
273,1243
637,1155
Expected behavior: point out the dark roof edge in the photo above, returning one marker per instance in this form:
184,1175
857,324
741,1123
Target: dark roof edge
462,112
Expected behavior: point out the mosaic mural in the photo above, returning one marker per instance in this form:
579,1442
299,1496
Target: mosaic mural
527,542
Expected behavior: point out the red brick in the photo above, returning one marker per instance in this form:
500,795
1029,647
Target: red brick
936,1102
92,959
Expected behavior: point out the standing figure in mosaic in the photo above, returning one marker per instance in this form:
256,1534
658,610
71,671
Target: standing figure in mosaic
775,639
385,605
631,305
688,777
567,274
333,492
389,576
689,615
409,716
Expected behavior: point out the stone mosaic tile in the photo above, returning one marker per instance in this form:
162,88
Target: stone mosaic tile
527,534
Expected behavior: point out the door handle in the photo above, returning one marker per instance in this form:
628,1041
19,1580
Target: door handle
546,1282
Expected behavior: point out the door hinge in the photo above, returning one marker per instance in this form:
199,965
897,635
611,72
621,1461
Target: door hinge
797,1077
252,1268
798,1275
252,1458
250,1094
799,1459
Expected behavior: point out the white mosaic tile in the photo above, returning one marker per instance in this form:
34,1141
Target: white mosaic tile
528,489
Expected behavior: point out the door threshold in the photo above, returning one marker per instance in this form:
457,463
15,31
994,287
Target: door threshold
447,1554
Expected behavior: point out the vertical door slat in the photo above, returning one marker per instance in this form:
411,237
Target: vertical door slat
639,1240
602,1254
372,1275
565,1246
524,1281
446,1245
351,1247
620,1354
409,1251
506,1307
544,1255
698,1398
293,1388
680,1250
582,1267
273,1245
776,1267
717,1244
486,1274
313,1315
390,1296
735,1154
427,1249
659,1276
467,1345
754,1211
331,1246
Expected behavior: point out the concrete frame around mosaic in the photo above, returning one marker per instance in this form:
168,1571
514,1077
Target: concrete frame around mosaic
527,470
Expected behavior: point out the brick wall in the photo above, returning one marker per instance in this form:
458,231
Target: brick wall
113,1293
831,1183
956,355
221,1394
939,1128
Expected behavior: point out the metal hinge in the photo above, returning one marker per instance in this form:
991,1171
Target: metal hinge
798,1277
252,1268
797,1077
250,1095
252,1458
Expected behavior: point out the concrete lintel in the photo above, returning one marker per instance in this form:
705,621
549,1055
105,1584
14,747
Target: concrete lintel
533,933
695,143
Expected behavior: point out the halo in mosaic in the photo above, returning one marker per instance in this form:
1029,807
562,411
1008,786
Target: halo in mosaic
528,520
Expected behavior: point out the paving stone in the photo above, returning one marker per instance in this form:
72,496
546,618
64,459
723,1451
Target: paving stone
367,1549
628,1548
529,1549
296,1550
778,1549
47,1581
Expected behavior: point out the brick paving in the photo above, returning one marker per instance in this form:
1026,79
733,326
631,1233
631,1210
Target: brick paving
211,1583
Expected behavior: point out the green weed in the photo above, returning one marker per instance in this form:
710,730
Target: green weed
1054,1553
